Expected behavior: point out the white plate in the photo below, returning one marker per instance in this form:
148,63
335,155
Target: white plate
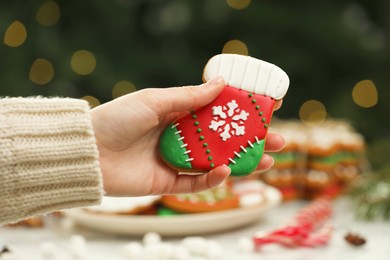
177,225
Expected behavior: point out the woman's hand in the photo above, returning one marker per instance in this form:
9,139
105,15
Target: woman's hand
128,129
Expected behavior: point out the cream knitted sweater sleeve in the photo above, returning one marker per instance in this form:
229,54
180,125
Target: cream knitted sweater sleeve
48,157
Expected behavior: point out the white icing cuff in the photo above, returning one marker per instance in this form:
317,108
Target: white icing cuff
247,73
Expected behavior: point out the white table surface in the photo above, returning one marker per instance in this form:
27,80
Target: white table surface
26,242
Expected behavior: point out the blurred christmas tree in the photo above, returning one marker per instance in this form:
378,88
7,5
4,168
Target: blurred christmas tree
335,52
371,192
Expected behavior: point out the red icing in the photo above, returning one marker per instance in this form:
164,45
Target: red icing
221,150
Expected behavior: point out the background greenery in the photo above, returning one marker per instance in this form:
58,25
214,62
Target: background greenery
326,47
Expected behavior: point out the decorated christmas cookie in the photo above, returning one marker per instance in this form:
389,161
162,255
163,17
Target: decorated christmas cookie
217,199
125,205
231,130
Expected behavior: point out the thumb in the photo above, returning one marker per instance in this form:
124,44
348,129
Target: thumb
179,99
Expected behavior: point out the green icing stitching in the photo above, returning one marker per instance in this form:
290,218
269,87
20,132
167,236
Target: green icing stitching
171,149
248,161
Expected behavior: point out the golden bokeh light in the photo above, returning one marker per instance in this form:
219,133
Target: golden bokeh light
48,14
41,71
15,35
238,4
365,94
235,47
312,113
83,62
122,88
92,101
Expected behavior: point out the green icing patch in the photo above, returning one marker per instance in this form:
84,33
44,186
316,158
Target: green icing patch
343,156
171,149
248,161
166,212
283,157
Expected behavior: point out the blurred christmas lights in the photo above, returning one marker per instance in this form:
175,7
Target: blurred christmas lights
48,14
15,35
236,47
83,62
365,94
93,102
238,4
122,88
312,113
41,71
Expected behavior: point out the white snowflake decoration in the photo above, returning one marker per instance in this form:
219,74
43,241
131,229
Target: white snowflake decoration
228,120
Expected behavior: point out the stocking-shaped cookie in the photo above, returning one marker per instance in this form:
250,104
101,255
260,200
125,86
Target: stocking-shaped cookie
231,130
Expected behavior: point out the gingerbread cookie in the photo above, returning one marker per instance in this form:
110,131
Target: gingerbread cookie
217,199
125,205
289,163
252,193
231,130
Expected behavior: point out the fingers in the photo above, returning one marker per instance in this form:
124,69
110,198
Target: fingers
275,142
178,99
278,104
197,183
265,163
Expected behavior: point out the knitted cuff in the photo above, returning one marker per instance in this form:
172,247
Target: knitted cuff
48,157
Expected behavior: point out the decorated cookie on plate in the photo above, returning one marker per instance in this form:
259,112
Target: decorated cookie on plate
254,193
216,199
125,205
232,129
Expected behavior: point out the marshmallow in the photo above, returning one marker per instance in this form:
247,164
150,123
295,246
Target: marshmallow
213,249
78,246
159,251
195,245
151,238
180,252
132,250
48,249
246,245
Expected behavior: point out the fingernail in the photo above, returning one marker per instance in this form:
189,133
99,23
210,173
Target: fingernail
215,81
227,167
273,161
